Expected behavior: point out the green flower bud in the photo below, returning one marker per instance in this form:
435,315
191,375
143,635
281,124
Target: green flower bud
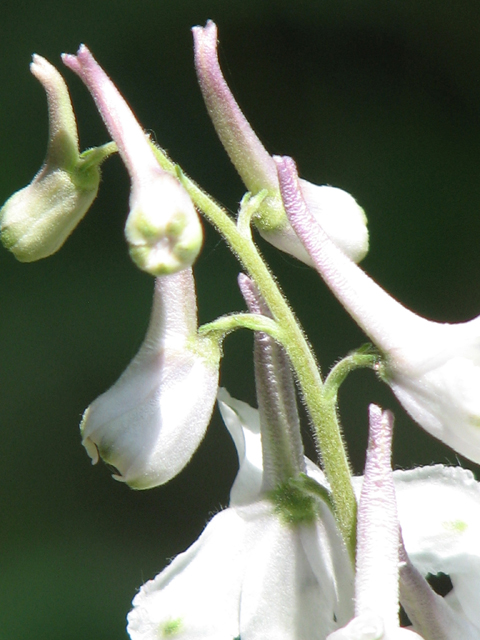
163,229
36,221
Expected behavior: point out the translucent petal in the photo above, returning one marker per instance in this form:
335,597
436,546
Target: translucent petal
439,510
197,595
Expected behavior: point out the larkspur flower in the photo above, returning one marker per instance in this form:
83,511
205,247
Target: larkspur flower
433,368
163,228
273,563
149,424
343,219
255,572
247,574
439,515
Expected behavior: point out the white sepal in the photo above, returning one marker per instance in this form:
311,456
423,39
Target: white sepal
369,626
149,424
439,509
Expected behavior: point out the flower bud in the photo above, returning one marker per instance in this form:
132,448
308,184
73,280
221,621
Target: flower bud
162,239
36,221
163,228
149,424
342,218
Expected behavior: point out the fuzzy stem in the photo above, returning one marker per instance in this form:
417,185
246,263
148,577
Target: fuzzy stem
322,410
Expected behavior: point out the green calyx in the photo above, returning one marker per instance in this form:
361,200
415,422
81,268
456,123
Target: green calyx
36,221
296,501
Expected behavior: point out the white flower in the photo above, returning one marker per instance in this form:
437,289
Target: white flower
343,219
151,421
252,573
439,515
163,229
433,368
412,524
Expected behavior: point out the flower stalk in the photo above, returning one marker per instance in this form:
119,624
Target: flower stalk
322,411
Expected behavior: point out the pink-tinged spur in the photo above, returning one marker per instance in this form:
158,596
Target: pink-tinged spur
342,218
149,424
280,425
376,573
163,228
36,221
433,368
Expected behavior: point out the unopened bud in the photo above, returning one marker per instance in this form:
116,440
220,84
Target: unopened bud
36,221
339,214
342,218
163,229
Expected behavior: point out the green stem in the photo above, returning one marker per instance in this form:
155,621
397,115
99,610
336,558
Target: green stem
321,411
361,359
253,321
248,207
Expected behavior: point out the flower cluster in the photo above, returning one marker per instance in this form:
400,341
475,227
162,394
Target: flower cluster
303,551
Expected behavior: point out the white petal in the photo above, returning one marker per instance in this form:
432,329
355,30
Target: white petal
327,555
197,595
343,220
445,400
369,626
285,595
243,423
439,510
365,627
151,421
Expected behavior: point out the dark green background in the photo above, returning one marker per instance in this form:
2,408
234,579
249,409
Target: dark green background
380,98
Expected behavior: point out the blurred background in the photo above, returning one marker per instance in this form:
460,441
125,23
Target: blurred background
377,97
